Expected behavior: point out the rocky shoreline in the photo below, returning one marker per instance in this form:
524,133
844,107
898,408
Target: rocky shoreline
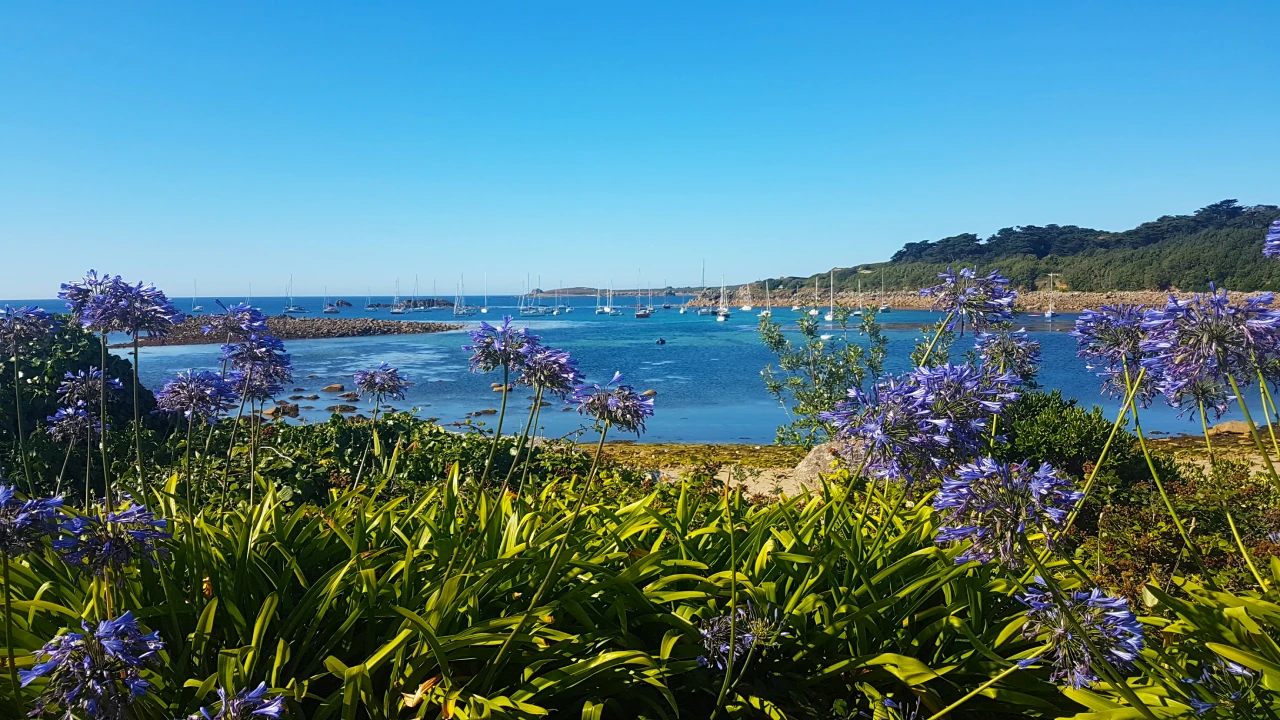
1034,301
287,327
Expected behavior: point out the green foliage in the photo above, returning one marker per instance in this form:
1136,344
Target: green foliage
1221,243
815,373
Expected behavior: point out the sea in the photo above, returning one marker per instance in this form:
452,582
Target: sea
707,374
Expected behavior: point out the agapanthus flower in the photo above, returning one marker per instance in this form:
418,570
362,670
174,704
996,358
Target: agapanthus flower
86,296
754,627
22,325
968,298
888,431
245,705
135,309
1110,338
895,710
24,523
1271,244
1010,351
238,321
1107,621
1208,338
993,505
261,366
550,370
498,347
74,424
194,394
86,386
614,404
961,400
382,382
96,544
97,673
1228,685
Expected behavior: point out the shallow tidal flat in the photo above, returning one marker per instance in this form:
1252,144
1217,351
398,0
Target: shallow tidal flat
285,327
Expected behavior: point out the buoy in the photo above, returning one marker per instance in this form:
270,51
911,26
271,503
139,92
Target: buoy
662,341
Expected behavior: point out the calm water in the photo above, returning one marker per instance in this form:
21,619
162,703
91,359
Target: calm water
707,374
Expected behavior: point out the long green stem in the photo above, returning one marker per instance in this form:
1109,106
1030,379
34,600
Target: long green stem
1253,429
733,606
88,463
190,478
137,418
231,444
8,631
497,433
22,436
941,328
978,690
1213,476
496,663
1269,410
102,411
57,488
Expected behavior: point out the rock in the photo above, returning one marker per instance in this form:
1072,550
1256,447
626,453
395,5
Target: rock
486,411
498,388
341,408
433,420
649,393
342,303
351,396
279,411
299,389
282,402
1233,427
308,407
295,397
817,462
312,377
310,397
568,409
336,387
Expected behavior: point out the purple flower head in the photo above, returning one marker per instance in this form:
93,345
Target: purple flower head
1108,622
549,370
1223,685
23,523
614,404
498,347
86,386
1010,351
96,673
85,297
1207,338
236,322
961,400
261,366
136,309
888,431
968,298
74,424
22,325
754,627
194,394
1271,245
381,382
903,711
993,505
96,544
1111,338
245,705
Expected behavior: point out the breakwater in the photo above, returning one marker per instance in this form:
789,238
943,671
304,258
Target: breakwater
286,327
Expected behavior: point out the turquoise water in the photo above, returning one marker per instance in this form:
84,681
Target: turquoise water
707,374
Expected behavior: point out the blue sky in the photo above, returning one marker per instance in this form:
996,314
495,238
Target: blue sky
349,144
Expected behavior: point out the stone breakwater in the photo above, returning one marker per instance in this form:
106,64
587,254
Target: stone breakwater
1033,302
295,328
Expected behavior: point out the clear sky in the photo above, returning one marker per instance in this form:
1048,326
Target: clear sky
351,143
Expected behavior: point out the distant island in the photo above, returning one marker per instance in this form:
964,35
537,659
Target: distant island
285,327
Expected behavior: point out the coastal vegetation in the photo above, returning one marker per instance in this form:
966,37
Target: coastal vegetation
1216,244
979,549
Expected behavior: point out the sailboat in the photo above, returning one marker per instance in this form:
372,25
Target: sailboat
857,312
609,309
705,310
768,304
1048,314
599,309
328,308
396,307
641,311
413,301
884,306
484,309
746,306
722,313
814,310
368,301
460,308
831,307
290,308
562,304
194,291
